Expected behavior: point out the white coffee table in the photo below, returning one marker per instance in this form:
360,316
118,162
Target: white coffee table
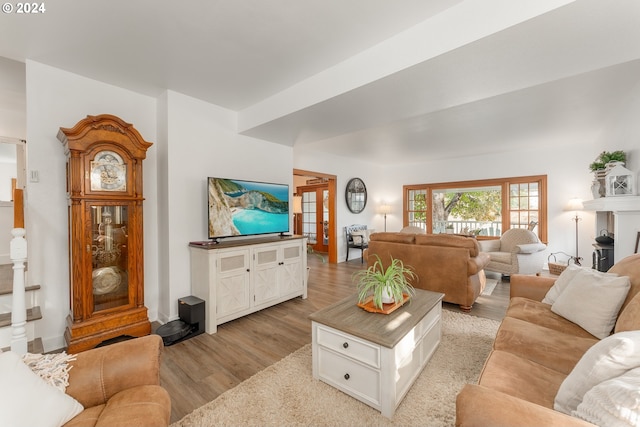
374,357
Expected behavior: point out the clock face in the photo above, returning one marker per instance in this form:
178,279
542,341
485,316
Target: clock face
108,172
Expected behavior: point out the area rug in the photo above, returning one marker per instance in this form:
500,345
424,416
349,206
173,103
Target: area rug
285,393
489,287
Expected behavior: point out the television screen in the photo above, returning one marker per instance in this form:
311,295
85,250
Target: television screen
243,208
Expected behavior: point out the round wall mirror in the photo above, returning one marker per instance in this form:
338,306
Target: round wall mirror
356,195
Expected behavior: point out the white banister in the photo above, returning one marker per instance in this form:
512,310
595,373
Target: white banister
18,254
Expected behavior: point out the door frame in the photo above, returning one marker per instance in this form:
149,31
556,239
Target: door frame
331,181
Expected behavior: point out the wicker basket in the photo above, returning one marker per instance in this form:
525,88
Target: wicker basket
555,267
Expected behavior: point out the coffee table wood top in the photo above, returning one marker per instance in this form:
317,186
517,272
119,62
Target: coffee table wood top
382,329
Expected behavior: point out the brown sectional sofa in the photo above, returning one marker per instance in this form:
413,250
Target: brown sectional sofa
534,351
450,264
120,385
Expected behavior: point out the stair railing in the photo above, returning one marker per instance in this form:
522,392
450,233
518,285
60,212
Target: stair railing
18,255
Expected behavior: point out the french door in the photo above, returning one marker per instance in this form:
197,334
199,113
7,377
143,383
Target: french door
315,216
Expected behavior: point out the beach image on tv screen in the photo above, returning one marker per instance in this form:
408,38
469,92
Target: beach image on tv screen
246,207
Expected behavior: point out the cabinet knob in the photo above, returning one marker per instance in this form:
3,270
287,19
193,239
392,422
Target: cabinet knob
347,376
345,345
248,270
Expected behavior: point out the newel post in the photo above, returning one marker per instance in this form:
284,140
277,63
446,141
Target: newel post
18,254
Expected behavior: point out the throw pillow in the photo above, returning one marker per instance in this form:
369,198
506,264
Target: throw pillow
27,400
53,368
608,358
593,301
560,284
359,237
613,403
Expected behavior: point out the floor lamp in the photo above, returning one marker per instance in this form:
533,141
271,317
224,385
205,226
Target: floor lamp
384,209
575,205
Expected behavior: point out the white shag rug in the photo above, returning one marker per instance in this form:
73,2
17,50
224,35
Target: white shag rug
285,393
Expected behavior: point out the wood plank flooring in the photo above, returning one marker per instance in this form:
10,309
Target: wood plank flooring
198,370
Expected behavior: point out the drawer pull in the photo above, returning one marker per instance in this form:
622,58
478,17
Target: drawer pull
347,376
345,345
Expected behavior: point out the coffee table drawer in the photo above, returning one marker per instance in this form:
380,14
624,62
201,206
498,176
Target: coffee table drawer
349,346
352,377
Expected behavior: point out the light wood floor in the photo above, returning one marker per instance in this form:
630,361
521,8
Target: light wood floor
198,370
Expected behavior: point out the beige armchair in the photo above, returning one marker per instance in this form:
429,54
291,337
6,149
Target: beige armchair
518,251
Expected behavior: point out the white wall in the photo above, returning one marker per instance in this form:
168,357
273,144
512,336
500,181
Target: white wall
566,169
202,141
55,99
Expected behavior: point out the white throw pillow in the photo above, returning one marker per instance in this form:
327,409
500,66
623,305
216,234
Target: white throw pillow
613,403
560,284
27,400
359,237
592,301
608,358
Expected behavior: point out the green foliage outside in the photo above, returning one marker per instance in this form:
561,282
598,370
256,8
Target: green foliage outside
469,205
475,205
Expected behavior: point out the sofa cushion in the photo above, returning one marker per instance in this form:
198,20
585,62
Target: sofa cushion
629,318
556,350
608,358
613,403
630,267
27,400
393,237
148,402
453,241
593,300
539,313
522,378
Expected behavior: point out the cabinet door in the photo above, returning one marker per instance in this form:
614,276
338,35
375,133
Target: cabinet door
232,290
265,274
291,269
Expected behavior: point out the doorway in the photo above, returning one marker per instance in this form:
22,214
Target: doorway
318,218
315,216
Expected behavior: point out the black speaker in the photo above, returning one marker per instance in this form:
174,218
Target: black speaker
190,324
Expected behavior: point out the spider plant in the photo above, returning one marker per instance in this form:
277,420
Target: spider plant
379,281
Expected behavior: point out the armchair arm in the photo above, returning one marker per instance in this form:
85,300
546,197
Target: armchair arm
530,248
492,245
98,374
532,287
480,406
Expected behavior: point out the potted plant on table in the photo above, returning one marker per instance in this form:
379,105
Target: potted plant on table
385,285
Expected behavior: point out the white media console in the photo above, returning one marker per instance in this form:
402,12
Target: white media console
239,277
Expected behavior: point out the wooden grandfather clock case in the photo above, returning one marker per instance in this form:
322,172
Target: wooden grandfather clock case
104,191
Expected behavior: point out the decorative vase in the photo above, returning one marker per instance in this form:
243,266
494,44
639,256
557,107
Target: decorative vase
599,176
595,189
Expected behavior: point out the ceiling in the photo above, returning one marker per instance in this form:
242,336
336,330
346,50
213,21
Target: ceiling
389,82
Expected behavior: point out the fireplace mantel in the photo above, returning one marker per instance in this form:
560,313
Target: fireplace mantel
613,204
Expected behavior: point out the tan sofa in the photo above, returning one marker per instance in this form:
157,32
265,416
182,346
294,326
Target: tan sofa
534,351
450,264
120,385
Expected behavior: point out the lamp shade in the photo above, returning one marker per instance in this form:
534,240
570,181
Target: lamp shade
297,204
574,204
384,209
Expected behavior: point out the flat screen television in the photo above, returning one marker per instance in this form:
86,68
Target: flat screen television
245,208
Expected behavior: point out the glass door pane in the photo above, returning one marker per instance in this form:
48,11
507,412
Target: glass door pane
109,256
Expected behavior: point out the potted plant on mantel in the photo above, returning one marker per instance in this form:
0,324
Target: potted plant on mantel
385,285
599,168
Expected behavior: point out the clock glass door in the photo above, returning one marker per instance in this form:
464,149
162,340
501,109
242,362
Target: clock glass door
109,256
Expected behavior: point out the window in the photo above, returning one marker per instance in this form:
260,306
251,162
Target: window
484,208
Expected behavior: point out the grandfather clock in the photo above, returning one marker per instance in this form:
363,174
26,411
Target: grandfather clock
104,191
